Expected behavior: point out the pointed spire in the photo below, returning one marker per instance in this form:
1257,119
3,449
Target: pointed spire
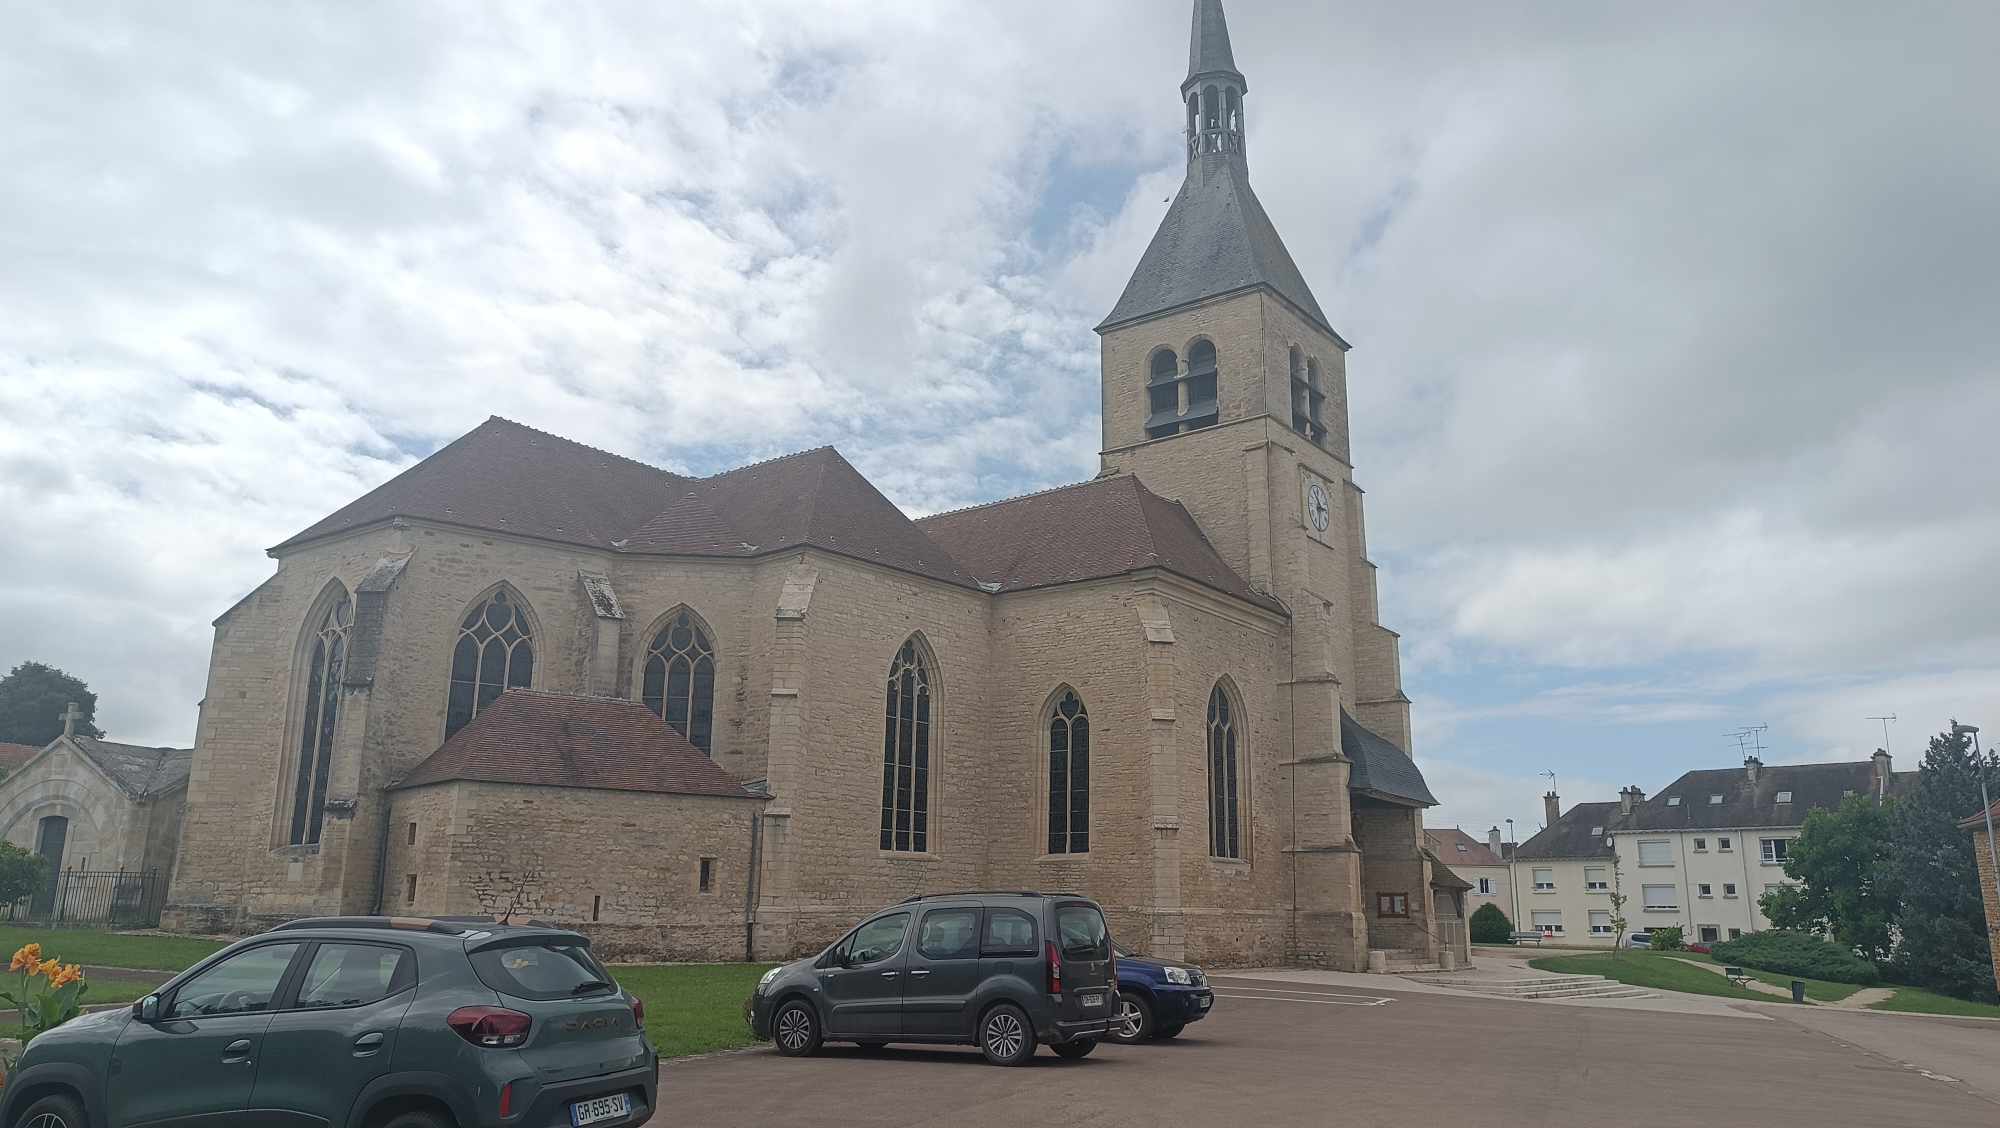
1208,45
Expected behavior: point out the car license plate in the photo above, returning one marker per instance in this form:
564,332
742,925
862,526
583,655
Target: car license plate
600,1109
1093,999
1207,1002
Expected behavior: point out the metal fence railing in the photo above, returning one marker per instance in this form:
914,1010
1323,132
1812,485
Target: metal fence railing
127,898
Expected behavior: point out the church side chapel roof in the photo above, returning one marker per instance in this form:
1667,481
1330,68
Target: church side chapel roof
815,498
1442,876
1088,531
139,771
1380,768
560,740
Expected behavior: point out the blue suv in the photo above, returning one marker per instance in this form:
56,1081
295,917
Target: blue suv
1157,999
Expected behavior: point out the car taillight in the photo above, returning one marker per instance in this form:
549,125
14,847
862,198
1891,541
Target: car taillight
1055,969
638,1011
492,1027
507,1099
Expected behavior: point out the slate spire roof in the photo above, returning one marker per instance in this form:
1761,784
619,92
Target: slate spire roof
1216,238
1208,45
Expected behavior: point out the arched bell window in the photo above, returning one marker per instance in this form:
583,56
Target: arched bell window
1069,775
679,681
495,653
326,659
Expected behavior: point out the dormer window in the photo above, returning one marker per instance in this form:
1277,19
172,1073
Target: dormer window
1784,796
1715,800
1596,831
1673,800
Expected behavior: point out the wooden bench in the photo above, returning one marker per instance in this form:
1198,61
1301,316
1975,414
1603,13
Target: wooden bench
1735,975
1534,938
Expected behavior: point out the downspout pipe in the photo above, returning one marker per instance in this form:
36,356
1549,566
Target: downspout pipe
750,888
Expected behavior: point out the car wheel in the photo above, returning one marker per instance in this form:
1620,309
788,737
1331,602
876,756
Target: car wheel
1172,1031
1005,1036
1073,1050
1134,1021
53,1112
796,1029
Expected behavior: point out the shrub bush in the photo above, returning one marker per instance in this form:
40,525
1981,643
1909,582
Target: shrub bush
1797,953
1669,938
1491,926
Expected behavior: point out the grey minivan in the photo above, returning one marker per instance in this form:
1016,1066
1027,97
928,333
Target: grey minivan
1004,971
357,1022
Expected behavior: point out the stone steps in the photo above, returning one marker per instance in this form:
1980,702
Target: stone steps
1403,961
1547,987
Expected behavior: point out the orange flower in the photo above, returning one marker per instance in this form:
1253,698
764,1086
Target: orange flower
27,956
48,968
66,976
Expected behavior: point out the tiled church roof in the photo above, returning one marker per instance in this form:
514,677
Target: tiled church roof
13,756
140,771
814,498
1088,531
559,740
1380,768
514,479
509,478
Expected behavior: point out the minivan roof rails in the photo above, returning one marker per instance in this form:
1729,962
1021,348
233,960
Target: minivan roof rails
983,893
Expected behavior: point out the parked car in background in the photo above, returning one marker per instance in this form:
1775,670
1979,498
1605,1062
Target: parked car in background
391,1023
1003,971
1640,939
1157,999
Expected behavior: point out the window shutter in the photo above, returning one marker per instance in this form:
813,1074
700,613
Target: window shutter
1661,897
1656,852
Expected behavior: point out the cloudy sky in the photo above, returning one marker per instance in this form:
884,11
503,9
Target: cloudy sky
1674,386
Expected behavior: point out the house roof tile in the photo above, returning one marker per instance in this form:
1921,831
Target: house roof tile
1461,848
558,740
1570,835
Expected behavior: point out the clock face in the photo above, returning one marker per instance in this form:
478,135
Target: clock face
1316,506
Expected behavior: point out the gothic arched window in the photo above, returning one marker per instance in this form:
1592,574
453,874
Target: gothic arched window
679,683
1069,776
1225,836
327,657
495,653
906,752
1201,377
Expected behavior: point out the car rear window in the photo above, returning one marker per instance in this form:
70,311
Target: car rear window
1083,933
545,970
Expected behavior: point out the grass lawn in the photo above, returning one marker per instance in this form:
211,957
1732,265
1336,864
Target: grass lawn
1817,990
108,949
1916,1000
693,1008
1646,969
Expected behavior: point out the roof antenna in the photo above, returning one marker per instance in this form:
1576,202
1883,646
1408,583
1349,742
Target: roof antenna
1552,778
1750,740
1886,719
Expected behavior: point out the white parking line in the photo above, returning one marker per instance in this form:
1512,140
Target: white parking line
1277,995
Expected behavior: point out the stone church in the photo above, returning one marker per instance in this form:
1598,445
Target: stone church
705,717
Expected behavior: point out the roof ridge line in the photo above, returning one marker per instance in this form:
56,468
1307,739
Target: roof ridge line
766,462
1026,496
571,442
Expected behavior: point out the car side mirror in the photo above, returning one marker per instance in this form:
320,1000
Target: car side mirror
147,1009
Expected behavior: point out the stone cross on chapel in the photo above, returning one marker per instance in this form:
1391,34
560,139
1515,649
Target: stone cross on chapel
69,718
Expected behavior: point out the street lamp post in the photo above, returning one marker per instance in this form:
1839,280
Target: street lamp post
1985,802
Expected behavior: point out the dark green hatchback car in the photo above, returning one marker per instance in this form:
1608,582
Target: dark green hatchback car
356,1022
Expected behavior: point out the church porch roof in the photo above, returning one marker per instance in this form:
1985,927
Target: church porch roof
558,740
139,771
1381,769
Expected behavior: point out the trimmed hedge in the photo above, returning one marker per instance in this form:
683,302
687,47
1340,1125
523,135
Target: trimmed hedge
1797,953
1491,926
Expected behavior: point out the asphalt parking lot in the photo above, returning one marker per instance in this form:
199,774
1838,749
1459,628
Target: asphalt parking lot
1275,1054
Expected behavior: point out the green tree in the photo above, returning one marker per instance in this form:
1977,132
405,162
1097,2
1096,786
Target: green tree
1942,943
1843,858
1490,925
22,873
33,698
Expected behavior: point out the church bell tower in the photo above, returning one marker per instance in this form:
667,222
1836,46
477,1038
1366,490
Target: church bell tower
1225,388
